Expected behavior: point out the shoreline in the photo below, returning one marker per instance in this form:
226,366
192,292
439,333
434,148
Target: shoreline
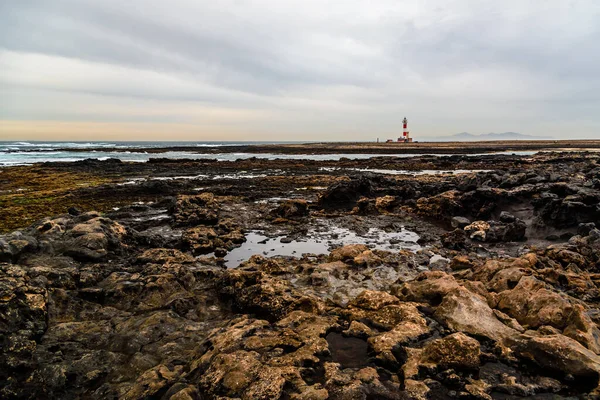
256,278
360,147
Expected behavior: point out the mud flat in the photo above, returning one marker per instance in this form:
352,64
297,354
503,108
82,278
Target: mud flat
456,277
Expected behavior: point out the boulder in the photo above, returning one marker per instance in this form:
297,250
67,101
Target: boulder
459,222
367,259
429,287
464,311
93,239
533,305
503,231
454,240
348,252
478,230
344,195
559,353
291,209
454,351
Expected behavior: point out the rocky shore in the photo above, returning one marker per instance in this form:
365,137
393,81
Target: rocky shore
382,147
460,277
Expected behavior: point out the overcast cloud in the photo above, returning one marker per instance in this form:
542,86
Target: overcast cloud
297,70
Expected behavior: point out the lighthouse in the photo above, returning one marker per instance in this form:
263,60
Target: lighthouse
405,134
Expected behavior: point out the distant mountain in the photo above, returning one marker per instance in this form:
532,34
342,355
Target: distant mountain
469,137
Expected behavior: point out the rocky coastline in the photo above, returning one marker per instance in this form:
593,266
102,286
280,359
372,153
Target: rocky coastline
458,277
383,147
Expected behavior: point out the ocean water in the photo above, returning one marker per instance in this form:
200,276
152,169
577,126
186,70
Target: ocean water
27,153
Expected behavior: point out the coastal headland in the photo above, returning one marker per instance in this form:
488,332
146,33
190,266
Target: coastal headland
459,275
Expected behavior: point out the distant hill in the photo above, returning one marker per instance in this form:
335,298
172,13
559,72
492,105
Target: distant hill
469,137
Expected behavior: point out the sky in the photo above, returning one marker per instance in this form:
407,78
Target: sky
297,70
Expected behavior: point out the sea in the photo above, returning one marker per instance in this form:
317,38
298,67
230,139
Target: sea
14,153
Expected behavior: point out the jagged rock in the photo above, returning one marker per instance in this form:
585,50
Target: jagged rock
344,195
533,305
454,351
462,310
509,230
365,206
200,240
388,316
291,209
383,344
441,205
454,240
93,239
506,217
233,365
23,319
559,353
505,231
358,329
385,203
367,258
164,256
429,287
257,293
373,300
581,328
348,252
478,230
197,209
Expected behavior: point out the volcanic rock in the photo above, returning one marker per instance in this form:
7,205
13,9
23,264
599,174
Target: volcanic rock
291,209
197,209
344,195
453,351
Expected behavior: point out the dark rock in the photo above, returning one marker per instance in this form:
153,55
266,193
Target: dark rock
344,195
220,252
74,211
459,222
365,206
195,210
454,240
156,187
566,235
291,209
584,228
93,239
506,217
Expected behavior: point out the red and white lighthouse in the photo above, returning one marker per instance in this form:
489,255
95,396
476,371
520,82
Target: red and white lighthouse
405,134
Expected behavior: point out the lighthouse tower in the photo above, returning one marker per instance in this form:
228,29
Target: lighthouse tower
405,134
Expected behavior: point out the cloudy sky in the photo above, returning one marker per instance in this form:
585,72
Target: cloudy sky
297,70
